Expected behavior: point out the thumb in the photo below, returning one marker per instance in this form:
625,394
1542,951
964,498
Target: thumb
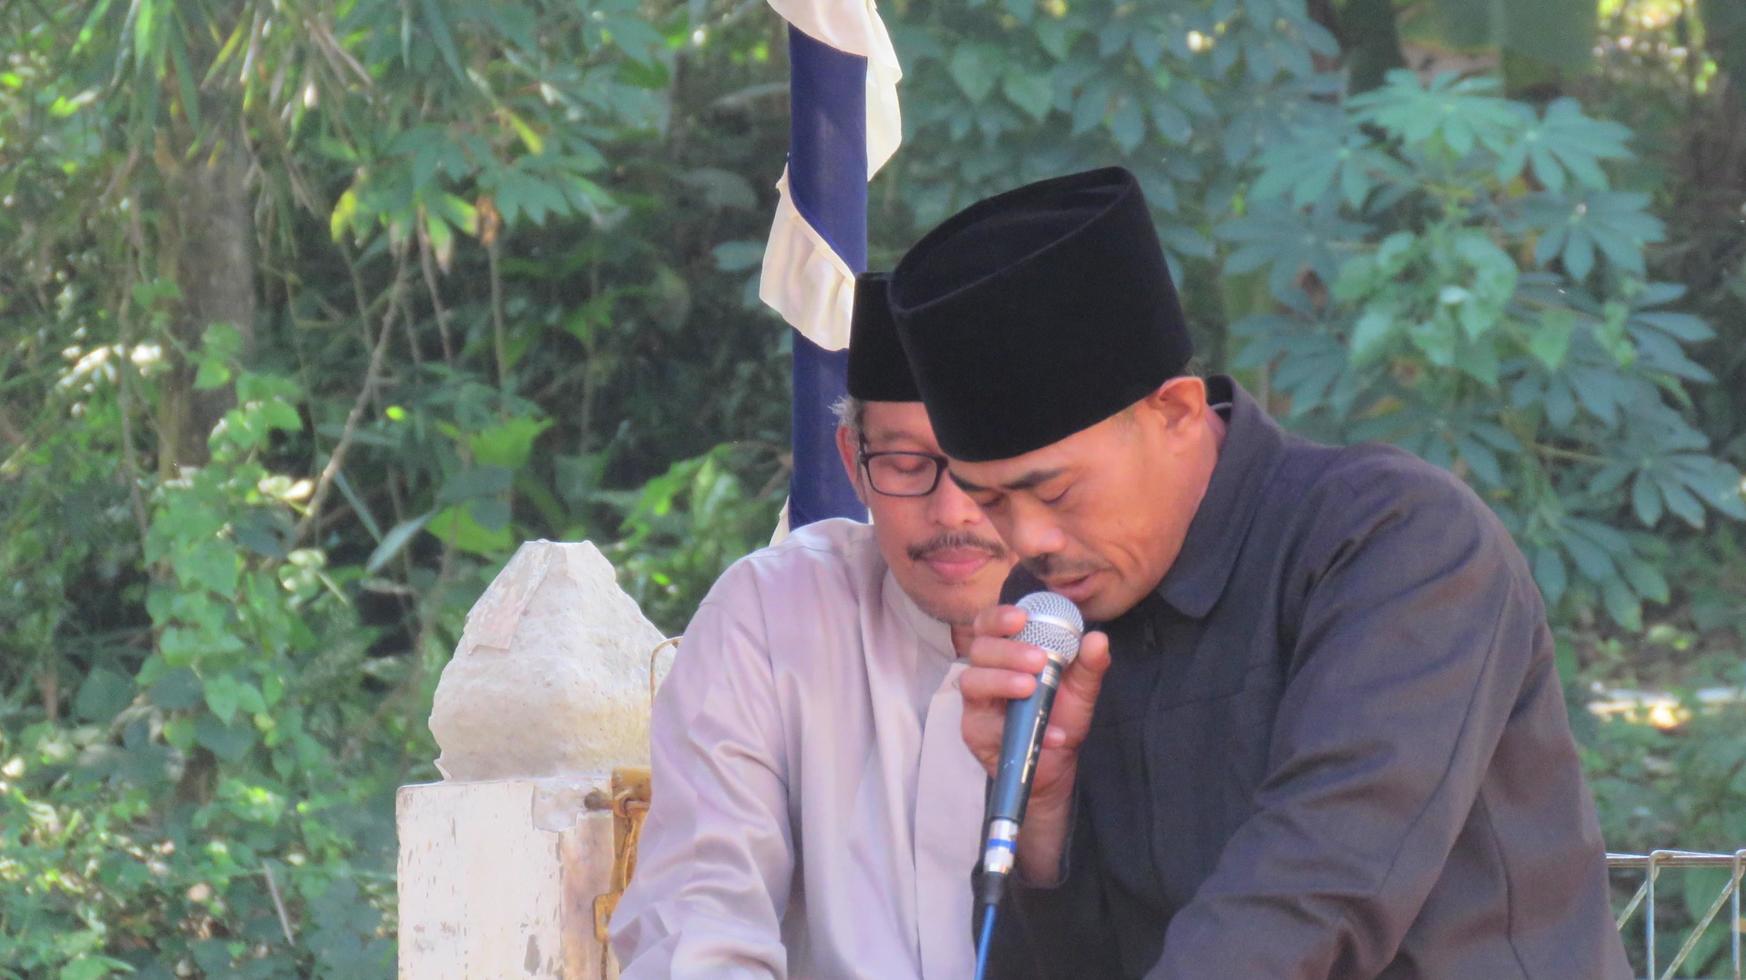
1084,677
1078,695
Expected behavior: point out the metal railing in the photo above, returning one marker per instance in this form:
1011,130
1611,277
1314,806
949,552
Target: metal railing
1651,865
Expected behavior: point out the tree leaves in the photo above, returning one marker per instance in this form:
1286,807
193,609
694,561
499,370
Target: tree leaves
1029,90
1549,340
1551,575
86,967
1457,113
1287,244
146,18
479,481
436,23
1615,224
102,695
1170,121
519,194
1371,334
975,67
1439,318
1565,142
175,690
394,542
230,742
226,694
460,527
1126,124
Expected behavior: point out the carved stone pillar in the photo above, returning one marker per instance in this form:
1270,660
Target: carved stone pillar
501,863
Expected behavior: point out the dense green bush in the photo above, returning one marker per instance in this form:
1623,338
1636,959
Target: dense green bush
1461,279
188,814
239,526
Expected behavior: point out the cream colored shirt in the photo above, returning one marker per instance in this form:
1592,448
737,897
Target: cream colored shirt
815,812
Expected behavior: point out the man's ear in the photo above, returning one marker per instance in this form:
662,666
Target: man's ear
1178,400
847,450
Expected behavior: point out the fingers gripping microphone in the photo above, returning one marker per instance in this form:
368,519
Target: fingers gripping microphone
1054,625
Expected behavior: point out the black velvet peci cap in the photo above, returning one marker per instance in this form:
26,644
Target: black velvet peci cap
1037,313
878,371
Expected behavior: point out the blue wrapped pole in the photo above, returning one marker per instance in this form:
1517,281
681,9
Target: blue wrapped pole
827,177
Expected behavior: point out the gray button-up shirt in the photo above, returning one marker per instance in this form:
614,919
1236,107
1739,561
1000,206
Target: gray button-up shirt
815,811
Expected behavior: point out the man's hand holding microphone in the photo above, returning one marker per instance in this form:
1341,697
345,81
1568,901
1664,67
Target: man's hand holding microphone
1009,661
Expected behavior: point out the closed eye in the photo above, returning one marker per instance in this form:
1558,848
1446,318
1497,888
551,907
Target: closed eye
990,506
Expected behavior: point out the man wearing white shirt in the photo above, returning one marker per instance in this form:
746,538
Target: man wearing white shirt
815,811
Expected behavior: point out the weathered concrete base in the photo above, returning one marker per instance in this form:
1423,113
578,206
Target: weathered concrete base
547,697
498,879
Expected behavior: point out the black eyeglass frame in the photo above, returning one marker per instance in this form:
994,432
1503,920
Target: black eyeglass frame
864,456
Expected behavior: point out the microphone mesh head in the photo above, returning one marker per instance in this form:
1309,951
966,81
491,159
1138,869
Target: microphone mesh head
1053,623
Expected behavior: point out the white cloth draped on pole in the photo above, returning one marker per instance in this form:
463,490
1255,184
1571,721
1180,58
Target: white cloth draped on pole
803,278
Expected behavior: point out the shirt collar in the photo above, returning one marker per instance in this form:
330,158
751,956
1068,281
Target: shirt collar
1251,450
933,635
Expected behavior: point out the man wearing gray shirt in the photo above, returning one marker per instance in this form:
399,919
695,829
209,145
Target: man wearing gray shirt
815,812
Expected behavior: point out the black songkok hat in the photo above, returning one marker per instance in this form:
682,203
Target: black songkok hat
1037,313
877,369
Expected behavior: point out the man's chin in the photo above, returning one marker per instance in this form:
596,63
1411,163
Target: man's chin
951,615
1105,604
959,604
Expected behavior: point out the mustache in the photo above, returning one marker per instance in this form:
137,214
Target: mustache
947,540
1056,567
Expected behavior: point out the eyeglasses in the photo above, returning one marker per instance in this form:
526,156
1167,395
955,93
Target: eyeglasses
902,474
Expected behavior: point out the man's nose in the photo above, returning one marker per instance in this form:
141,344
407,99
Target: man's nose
948,506
1032,533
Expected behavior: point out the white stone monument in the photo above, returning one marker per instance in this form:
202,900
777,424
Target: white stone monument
504,863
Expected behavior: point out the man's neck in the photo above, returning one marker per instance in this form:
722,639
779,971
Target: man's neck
1219,427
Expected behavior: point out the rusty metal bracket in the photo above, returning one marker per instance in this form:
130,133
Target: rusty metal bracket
629,804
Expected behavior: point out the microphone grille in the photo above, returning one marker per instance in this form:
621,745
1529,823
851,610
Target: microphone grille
1053,623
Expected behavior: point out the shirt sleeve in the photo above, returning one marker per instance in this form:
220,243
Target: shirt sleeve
716,857
1420,624
1059,929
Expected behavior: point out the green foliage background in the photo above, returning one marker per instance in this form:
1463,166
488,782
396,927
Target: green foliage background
313,309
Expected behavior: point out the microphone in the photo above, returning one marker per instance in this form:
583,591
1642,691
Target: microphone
1054,624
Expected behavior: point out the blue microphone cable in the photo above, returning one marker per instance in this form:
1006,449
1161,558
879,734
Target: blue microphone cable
986,940
993,885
